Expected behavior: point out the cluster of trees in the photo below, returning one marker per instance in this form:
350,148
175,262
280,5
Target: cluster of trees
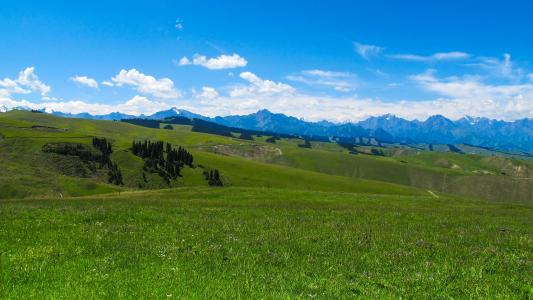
213,178
115,176
153,153
105,148
148,149
73,149
89,156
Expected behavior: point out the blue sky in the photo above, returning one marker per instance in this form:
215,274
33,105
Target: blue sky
334,60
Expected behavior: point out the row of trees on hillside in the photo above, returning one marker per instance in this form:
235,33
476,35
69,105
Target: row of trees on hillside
105,148
162,158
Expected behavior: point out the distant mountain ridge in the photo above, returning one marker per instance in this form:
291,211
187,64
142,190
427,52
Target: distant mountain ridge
516,136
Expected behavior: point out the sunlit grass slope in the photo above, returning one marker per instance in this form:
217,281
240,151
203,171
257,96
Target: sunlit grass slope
253,243
27,171
326,166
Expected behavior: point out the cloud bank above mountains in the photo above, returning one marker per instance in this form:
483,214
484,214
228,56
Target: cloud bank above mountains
453,96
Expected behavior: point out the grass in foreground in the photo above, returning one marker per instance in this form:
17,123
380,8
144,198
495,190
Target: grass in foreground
264,243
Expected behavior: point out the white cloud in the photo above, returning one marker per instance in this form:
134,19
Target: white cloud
259,86
26,83
500,67
473,97
146,84
47,98
216,63
135,106
84,80
9,86
339,81
108,83
184,61
394,85
29,79
208,93
455,97
441,56
367,51
178,25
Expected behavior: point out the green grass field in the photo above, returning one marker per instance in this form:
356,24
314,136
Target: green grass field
264,243
290,222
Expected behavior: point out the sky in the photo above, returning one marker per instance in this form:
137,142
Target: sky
317,60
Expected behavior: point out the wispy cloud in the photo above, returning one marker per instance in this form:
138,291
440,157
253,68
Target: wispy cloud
500,67
178,25
367,51
339,81
216,63
86,81
146,84
441,56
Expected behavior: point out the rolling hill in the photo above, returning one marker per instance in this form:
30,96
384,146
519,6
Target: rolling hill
28,171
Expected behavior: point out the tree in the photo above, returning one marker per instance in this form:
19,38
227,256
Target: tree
213,178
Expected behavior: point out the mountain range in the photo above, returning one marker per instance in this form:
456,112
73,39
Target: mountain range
515,136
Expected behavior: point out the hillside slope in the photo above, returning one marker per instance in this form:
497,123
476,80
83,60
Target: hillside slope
29,172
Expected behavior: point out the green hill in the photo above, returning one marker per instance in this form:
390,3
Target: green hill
30,172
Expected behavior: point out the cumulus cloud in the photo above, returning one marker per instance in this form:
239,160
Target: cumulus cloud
146,84
108,83
339,81
455,97
367,51
259,86
26,83
441,56
216,63
9,86
471,95
86,81
208,93
29,79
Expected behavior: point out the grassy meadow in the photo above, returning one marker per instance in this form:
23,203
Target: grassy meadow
264,243
290,222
